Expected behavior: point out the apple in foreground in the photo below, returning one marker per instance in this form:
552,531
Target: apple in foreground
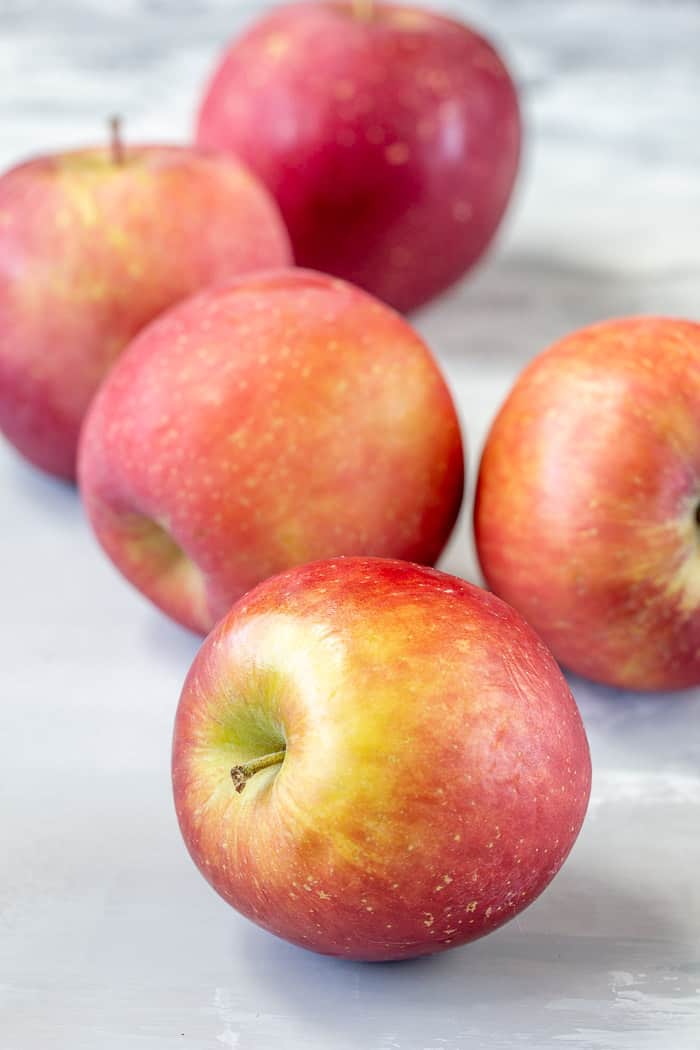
389,136
587,512
377,760
94,244
280,419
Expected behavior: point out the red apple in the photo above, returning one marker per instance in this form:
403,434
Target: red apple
389,136
409,767
588,504
276,420
95,243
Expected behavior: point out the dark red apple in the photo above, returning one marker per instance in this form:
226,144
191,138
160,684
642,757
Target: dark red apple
389,136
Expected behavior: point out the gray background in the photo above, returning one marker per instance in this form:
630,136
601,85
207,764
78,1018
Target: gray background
108,936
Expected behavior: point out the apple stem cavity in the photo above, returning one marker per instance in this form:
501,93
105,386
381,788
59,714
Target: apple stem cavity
116,141
363,10
240,775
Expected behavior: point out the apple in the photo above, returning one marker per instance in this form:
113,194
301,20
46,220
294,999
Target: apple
278,419
389,136
93,245
587,511
377,760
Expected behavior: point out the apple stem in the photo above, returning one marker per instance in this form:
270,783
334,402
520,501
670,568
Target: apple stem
363,10
240,775
116,143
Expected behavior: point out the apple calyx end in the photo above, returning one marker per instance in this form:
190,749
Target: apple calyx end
240,775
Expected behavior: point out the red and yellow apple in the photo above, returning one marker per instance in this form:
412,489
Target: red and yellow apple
389,136
587,512
279,419
93,245
376,760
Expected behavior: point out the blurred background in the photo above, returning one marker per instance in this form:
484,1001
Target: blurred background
606,217
109,937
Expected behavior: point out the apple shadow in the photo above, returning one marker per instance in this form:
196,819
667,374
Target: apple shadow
548,962
651,732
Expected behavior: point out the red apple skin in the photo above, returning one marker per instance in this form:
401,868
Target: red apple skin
391,143
586,507
280,419
90,251
436,772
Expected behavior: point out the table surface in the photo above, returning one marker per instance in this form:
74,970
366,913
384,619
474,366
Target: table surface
110,938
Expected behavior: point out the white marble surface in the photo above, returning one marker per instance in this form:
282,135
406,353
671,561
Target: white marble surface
110,939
